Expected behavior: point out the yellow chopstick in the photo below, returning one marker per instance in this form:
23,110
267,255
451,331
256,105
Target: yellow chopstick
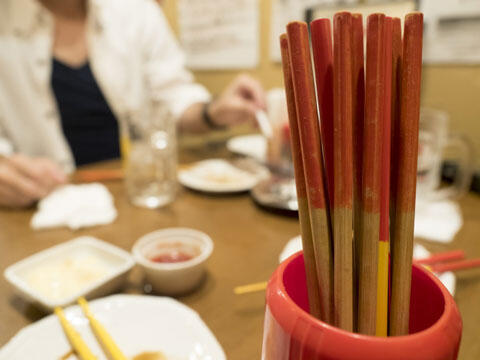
103,337
74,338
239,290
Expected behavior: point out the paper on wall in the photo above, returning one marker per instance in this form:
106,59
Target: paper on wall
219,34
451,30
284,11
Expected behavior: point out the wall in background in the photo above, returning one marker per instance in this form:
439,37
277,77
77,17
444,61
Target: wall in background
455,89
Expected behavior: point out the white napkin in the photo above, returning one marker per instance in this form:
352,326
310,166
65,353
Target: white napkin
419,252
75,206
437,220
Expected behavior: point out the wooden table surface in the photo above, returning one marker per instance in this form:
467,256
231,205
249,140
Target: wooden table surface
247,241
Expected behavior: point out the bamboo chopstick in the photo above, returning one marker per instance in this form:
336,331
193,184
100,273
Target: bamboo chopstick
323,61
371,176
303,210
306,109
343,171
407,170
73,337
397,50
358,100
103,337
384,235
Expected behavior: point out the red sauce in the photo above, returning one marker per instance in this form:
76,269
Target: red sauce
173,256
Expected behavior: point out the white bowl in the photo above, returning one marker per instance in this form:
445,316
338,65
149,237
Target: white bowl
176,277
35,278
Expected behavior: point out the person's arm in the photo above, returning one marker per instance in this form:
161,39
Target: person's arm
169,81
237,104
24,180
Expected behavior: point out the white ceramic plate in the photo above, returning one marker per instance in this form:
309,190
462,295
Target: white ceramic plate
137,324
419,252
254,146
80,255
217,176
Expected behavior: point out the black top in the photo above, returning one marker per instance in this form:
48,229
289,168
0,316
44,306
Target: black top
88,123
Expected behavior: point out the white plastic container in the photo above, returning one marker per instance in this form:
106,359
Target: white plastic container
58,276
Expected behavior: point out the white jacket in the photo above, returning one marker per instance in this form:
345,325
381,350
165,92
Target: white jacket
133,55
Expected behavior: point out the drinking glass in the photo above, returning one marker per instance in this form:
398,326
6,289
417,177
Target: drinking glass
149,153
433,141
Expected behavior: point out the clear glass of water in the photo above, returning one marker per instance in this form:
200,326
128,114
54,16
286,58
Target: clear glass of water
433,141
149,152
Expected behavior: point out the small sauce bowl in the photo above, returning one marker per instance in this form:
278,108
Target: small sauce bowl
173,259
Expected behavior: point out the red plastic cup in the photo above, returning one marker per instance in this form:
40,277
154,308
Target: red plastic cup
291,333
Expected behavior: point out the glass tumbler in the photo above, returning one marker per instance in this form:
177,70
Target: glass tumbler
149,153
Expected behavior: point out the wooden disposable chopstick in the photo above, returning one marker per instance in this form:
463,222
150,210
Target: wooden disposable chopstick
358,100
343,171
407,141
103,337
442,257
323,59
260,286
371,176
74,338
313,286
306,109
384,233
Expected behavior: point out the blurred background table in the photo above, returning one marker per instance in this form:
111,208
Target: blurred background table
248,241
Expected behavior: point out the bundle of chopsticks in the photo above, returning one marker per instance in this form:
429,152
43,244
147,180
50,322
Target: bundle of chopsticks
355,162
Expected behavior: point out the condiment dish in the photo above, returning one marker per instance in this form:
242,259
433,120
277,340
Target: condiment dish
173,259
58,276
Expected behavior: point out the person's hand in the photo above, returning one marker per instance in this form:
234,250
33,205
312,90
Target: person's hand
24,180
238,103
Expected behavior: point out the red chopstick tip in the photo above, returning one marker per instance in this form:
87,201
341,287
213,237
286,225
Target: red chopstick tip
293,25
320,22
343,14
375,18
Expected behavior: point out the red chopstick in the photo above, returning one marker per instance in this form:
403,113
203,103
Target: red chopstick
407,151
455,265
313,287
441,257
304,90
343,171
371,176
323,59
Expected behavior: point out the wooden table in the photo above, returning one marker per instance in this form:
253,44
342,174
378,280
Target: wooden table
247,241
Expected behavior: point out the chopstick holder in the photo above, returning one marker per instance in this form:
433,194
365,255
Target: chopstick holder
103,337
73,337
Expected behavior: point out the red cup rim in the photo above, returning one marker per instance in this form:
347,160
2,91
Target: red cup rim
278,299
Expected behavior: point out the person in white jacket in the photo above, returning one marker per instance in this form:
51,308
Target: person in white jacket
70,70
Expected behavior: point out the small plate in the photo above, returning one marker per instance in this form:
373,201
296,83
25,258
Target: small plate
217,176
136,323
101,266
254,146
